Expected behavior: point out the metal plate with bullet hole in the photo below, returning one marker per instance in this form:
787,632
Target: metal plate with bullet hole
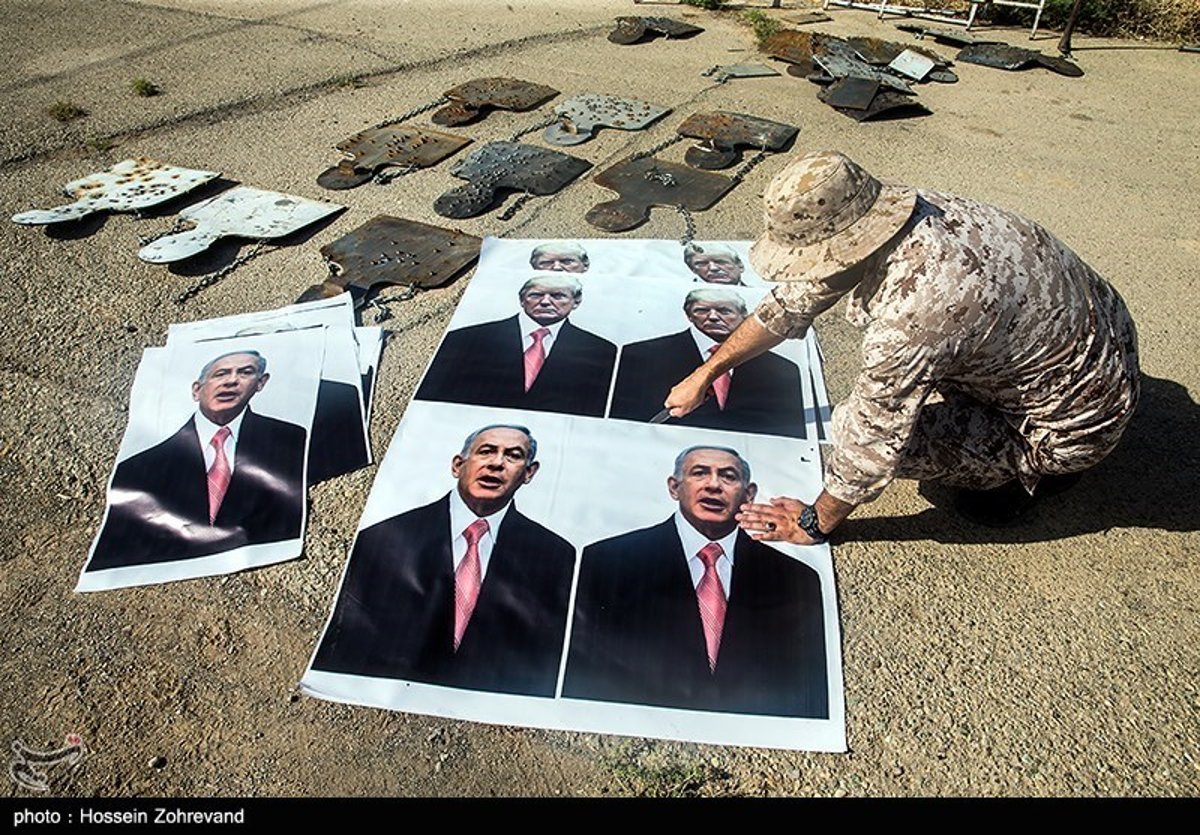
373,149
642,183
850,93
886,104
468,101
128,186
393,251
799,47
631,30
506,165
723,132
244,212
880,53
839,66
1005,57
582,115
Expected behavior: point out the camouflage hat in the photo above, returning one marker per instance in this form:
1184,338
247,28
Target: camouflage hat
825,214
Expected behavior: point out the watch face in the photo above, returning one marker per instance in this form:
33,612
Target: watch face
808,518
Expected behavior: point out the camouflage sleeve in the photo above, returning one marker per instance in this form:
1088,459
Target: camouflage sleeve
789,309
873,425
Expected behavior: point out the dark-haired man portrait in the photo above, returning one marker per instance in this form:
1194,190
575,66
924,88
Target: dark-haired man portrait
693,613
229,477
464,592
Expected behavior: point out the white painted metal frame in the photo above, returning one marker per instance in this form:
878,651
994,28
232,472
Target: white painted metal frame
941,15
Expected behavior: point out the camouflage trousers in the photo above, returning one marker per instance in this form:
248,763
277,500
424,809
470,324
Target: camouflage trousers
961,442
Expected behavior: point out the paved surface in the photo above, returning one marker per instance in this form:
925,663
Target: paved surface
1059,658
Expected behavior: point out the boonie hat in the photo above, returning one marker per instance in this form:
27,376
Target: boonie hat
825,214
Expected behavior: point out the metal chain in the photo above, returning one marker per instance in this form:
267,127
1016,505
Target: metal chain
385,175
749,166
689,225
178,226
714,72
656,176
516,206
661,146
545,123
212,278
381,305
416,111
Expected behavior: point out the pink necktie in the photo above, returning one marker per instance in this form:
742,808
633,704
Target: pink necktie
467,579
721,385
711,595
218,473
535,357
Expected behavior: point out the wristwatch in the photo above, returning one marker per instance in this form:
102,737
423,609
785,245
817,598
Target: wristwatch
810,524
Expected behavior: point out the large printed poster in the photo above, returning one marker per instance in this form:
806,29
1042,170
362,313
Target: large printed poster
539,550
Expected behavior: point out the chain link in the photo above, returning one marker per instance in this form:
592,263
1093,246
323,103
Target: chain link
212,278
516,206
178,226
661,146
385,175
381,306
656,176
545,123
749,166
416,111
689,225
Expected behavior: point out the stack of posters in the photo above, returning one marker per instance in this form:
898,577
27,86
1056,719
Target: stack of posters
540,548
228,423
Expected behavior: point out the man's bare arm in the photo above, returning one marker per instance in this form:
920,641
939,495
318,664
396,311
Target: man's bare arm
780,520
746,342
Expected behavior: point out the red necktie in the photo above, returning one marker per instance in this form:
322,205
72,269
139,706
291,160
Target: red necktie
721,385
218,473
535,357
711,595
468,577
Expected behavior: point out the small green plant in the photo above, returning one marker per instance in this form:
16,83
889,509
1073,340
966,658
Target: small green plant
711,5
645,771
100,145
763,24
65,111
144,87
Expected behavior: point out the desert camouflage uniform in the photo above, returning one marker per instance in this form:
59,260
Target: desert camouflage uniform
991,352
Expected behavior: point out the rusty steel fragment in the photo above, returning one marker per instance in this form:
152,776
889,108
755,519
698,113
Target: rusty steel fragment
1005,57
881,53
798,48
645,182
393,251
631,30
506,165
838,66
244,212
128,186
886,104
377,148
723,132
582,115
468,101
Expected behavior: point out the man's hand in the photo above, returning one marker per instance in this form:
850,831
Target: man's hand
687,396
775,522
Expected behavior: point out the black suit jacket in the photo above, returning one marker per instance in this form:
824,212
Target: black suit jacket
394,616
484,365
339,442
764,395
637,635
159,497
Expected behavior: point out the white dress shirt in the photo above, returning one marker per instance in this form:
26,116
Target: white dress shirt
528,326
693,541
461,518
205,429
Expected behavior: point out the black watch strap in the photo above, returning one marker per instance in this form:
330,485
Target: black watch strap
811,525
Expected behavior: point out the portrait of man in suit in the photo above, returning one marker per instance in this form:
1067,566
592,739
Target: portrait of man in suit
693,613
714,263
534,360
762,395
228,477
559,256
464,592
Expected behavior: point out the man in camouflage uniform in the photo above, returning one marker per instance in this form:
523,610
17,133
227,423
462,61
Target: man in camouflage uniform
992,357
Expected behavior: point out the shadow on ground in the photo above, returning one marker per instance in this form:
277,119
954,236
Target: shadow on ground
1150,481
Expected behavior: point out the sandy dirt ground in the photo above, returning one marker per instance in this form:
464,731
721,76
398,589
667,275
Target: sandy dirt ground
1057,658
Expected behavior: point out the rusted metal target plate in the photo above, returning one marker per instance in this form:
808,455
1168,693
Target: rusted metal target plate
631,30
838,66
393,251
1005,57
469,100
880,53
722,133
798,48
885,104
742,71
244,212
642,183
128,186
581,116
506,165
377,148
